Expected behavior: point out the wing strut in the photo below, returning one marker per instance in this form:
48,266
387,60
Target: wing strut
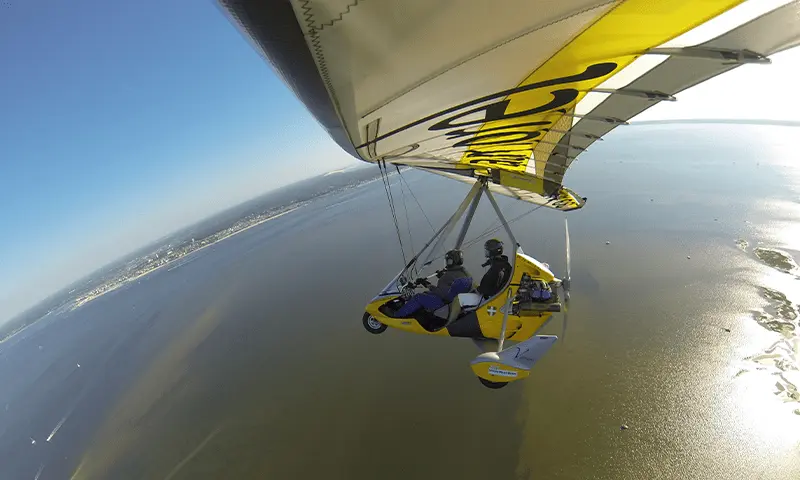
470,213
502,219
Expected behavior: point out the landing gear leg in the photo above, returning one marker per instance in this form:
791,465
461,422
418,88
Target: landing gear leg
372,324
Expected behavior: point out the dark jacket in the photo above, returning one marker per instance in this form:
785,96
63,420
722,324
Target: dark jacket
496,278
449,276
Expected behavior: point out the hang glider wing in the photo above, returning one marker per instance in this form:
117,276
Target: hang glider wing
512,91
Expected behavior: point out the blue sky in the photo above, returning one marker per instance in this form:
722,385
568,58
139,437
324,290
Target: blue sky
121,121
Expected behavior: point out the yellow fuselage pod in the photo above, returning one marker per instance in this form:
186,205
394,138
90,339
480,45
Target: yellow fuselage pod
490,314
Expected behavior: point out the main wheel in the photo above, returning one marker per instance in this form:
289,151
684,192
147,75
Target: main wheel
372,324
492,385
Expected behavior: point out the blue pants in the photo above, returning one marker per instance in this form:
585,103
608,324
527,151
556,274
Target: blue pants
425,300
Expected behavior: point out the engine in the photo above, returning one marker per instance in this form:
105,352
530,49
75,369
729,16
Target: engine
533,290
534,295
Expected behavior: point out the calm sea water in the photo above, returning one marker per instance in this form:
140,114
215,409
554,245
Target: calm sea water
250,360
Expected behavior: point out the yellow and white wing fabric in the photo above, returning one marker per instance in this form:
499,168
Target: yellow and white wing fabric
513,90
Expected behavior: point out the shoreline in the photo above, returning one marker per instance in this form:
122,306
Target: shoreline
88,299
172,262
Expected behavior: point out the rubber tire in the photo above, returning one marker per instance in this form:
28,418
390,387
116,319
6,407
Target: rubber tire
492,385
374,331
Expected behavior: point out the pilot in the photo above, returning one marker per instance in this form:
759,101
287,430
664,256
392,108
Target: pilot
437,295
499,271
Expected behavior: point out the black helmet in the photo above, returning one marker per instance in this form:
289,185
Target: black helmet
493,248
453,258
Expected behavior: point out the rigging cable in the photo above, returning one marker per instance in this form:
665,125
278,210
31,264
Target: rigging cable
509,222
489,231
493,227
408,222
385,178
415,198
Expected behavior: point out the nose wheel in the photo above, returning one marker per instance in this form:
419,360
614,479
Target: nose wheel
372,324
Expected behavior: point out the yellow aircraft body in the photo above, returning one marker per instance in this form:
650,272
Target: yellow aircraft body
484,322
489,314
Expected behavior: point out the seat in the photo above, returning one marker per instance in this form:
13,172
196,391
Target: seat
470,300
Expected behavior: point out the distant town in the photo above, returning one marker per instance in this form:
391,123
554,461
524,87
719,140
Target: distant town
158,259
164,256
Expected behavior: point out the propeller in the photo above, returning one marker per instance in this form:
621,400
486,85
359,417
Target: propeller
566,281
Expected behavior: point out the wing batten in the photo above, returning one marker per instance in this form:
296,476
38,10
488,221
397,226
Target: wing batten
737,57
652,95
769,33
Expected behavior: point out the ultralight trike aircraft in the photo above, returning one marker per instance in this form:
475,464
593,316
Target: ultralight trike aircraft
522,307
504,96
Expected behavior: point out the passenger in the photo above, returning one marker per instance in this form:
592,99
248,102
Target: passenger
437,295
499,272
